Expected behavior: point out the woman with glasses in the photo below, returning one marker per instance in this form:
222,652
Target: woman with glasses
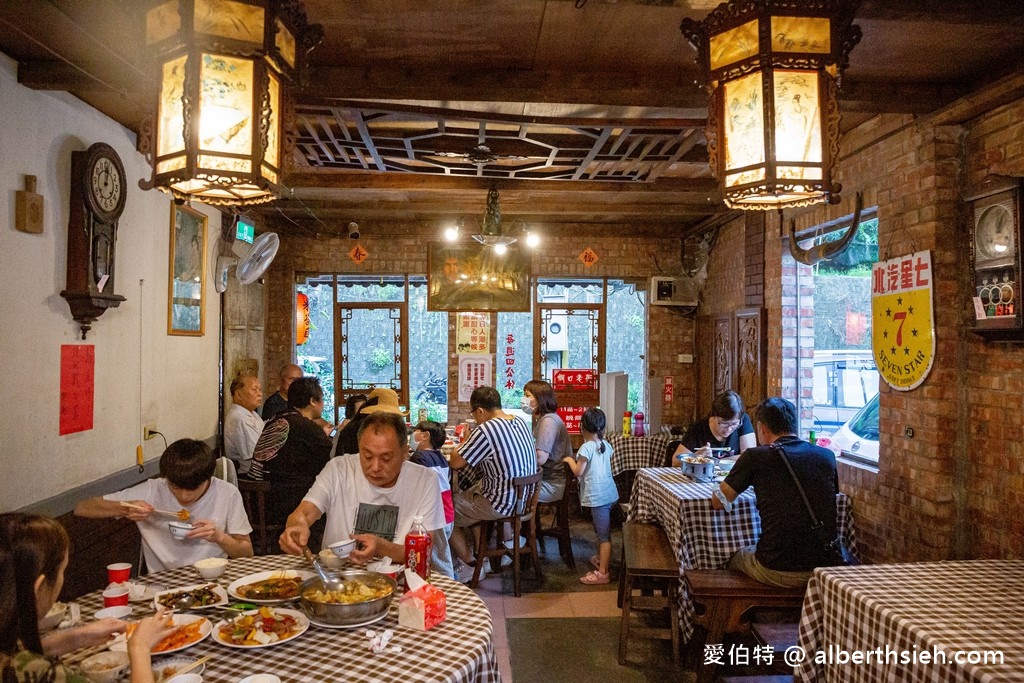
726,427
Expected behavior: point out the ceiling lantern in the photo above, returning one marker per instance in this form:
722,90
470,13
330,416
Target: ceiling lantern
224,69
772,70
301,319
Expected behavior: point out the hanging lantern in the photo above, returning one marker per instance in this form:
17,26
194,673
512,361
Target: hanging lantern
301,319
224,68
772,69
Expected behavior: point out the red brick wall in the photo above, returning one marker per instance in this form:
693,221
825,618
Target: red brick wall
630,258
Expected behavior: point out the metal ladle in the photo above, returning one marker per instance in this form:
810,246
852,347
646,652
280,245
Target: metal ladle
183,604
317,567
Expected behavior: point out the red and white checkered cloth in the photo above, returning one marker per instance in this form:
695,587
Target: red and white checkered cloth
947,607
458,650
705,538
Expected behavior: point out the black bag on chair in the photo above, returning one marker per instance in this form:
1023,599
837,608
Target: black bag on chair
836,552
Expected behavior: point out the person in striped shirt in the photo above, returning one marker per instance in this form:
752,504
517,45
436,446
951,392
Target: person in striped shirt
500,449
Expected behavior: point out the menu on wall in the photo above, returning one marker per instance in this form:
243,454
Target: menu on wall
77,379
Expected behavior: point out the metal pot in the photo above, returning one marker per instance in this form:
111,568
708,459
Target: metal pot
701,471
340,614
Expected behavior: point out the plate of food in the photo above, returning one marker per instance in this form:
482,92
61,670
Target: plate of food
261,627
269,588
167,668
141,592
204,595
189,630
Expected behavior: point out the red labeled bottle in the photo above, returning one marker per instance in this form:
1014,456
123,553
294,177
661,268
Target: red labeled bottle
417,548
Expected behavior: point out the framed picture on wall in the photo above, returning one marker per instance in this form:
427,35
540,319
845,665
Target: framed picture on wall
186,286
472,277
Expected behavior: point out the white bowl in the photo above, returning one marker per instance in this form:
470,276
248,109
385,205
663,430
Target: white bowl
119,612
343,549
179,529
261,678
185,678
105,667
330,560
211,567
392,570
53,617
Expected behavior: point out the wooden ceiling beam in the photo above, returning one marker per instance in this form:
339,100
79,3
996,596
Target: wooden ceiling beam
430,229
944,11
678,91
896,98
532,209
343,180
79,77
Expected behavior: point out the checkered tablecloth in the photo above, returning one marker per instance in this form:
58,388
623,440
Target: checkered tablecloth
637,452
458,650
933,607
704,538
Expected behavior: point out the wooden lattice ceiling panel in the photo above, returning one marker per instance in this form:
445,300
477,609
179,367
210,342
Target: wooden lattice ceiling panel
471,144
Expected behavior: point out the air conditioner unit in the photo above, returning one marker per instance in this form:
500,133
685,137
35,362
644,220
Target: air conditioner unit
674,291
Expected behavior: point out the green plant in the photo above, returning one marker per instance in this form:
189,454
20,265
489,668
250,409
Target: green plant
381,358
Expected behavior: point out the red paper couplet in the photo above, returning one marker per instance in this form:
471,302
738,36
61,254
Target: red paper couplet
77,380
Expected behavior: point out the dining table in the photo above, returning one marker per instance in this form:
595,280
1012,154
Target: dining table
702,537
458,650
921,622
638,452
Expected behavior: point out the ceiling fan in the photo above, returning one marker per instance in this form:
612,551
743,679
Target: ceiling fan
481,155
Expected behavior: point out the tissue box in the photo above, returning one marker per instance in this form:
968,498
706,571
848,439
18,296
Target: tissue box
423,608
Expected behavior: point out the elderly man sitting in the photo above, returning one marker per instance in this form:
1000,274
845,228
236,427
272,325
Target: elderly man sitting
242,425
373,498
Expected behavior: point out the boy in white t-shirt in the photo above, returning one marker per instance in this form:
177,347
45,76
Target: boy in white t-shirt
220,525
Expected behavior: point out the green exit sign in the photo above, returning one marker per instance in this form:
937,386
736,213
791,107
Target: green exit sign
244,230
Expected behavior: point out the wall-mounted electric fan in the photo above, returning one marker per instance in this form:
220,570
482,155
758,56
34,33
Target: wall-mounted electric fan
251,266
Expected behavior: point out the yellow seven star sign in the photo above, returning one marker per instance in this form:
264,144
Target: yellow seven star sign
902,322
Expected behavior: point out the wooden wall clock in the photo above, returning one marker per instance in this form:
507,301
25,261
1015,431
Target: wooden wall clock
995,211
99,189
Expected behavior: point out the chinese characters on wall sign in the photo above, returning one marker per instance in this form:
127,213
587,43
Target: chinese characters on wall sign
474,371
902,323
77,376
510,361
473,333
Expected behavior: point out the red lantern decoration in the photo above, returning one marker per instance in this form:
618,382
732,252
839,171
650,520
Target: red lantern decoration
301,319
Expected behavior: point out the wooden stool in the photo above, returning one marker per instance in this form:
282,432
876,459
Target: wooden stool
721,597
254,500
525,513
648,555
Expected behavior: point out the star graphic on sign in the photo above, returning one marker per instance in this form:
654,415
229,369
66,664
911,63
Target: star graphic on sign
888,313
913,332
899,301
906,351
885,334
893,350
910,310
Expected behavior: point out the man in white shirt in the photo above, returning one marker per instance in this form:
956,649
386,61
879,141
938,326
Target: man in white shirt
242,425
373,498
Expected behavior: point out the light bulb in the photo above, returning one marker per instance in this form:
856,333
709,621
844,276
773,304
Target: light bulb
500,249
532,239
451,233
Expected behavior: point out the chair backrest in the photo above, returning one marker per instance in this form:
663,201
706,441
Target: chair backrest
527,494
254,500
226,471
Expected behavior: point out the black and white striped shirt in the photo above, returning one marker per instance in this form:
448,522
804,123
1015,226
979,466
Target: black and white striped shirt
501,449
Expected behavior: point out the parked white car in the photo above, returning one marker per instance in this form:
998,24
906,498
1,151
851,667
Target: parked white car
858,438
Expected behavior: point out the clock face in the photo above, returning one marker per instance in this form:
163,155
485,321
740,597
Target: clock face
104,182
994,236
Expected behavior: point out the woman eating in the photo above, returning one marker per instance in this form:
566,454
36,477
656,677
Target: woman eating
33,557
726,427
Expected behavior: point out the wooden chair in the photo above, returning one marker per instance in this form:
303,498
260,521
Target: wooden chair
560,526
527,491
648,556
254,499
723,598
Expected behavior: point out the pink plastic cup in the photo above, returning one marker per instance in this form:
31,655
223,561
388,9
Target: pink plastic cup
115,596
119,572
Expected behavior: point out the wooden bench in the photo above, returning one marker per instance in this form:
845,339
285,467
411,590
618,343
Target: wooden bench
721,597
648,556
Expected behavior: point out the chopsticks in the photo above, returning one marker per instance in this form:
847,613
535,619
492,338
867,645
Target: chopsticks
186,669
91,650
126,504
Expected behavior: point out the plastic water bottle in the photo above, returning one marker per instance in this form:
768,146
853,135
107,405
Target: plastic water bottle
417,548
638,424
812,438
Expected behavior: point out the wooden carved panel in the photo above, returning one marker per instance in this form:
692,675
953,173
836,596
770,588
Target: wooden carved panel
704,365
750,356
722,355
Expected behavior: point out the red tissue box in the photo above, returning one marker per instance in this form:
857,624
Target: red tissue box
422,608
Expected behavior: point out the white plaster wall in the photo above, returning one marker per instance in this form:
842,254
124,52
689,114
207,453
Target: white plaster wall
171,384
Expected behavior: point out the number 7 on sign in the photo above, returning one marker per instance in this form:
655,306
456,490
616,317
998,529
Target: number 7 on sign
901,317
